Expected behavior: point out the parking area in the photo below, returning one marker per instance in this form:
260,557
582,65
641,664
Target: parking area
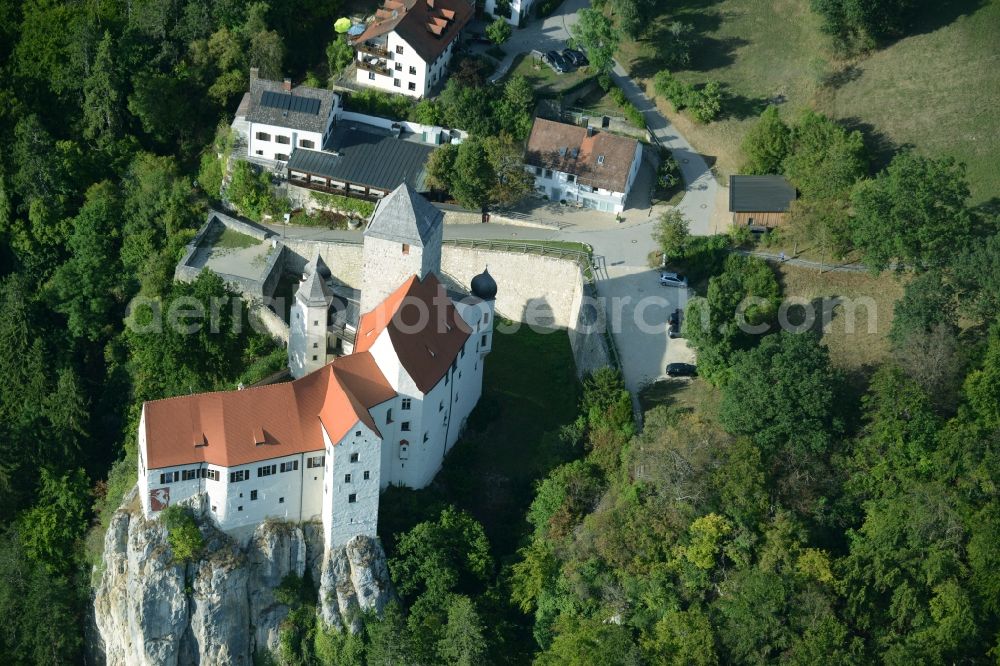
638,311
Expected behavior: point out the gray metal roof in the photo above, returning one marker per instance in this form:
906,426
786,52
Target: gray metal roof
303,108
313,289
404,216
760,194
354,155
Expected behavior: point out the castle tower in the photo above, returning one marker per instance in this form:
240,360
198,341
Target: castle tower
307,328
402,239
484,287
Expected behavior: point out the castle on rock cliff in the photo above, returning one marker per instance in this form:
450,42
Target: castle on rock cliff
324,445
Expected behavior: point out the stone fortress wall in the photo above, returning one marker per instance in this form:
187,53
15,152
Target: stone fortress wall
544,292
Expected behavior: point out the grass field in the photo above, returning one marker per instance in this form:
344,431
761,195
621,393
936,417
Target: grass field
545,81
855,346
935,91
530,390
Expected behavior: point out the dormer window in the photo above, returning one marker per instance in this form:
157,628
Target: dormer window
258,435
406,248
200,440
600,159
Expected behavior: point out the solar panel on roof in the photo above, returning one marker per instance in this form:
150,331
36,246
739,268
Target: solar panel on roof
288,102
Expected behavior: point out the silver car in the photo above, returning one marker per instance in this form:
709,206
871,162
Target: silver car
673,279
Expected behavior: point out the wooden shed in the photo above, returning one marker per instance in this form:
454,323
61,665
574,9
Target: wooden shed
759,202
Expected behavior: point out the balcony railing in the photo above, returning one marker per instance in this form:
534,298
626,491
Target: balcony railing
372,49
372,65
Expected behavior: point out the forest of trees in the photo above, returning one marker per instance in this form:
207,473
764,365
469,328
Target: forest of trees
802,517
106,110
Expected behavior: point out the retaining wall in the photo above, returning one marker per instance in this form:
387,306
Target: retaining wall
463,217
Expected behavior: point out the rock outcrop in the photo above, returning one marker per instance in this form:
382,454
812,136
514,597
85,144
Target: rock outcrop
151,610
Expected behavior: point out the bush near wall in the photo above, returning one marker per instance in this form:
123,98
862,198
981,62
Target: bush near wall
342,204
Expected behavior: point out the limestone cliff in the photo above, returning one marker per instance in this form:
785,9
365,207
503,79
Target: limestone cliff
220,609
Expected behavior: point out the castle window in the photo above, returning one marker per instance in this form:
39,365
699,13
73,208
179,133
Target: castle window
486,317
316,322
315,357
426,437
441,406
281,500
405,403
352,498
241,475
461,354
253,495
368,475
290,466
354,457
266,470
169,477
347,478
399,49
405,427
306,143
413,70
411,86
406,248
263,136
388,416
214,509
396,82
211,474
484,340
239,508
456,397
315,461
315,345
189,474
357,433
283,139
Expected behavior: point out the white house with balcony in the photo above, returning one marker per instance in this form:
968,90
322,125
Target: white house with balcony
582,166
323,446
515,12
278,118
409,43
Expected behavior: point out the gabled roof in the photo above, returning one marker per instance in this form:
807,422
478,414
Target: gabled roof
405,217
760,194
597,159
425,352
235,428
301,108
428,26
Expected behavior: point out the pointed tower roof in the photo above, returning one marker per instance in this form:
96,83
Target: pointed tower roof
405,217
313,289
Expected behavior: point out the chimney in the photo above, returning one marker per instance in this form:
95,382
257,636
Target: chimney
591,131
254,72
286,85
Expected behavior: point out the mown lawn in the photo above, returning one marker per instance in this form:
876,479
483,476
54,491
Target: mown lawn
936,91
530,391
545,81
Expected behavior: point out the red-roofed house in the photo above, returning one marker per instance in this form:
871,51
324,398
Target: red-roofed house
407,46
324,445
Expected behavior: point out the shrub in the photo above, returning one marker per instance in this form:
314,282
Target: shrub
634,116
499,31
668,173
679,94
379,103
707,102
183,534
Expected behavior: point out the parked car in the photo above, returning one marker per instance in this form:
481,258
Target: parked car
681,370
577,57
674,324
556,62
673,279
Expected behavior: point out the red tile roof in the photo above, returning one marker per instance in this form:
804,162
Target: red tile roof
599,159
425,351
238,427
428,26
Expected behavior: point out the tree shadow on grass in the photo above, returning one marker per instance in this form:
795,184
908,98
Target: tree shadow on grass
936,15
881,146
741,107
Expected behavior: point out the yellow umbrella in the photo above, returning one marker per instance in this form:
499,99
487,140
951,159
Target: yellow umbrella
342,25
